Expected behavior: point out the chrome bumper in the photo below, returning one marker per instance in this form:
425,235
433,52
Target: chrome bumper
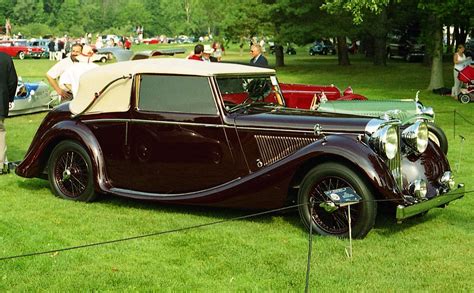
404,212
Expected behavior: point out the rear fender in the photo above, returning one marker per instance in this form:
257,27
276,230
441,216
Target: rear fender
38,155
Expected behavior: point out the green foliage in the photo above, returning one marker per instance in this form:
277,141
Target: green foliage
35,30
358,8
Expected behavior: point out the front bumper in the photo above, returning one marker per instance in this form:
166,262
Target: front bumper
404,212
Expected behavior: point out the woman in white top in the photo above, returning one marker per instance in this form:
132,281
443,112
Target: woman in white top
460,62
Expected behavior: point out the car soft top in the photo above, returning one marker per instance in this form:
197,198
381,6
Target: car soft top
117,96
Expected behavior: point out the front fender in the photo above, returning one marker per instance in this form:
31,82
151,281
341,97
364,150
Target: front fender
357,155
35,161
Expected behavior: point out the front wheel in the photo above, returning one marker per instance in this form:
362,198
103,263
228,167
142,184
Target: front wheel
70,172
330,176
21,55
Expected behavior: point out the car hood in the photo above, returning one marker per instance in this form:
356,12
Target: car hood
403,110
298,119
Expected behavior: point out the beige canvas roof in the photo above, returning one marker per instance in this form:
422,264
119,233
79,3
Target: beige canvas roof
117,97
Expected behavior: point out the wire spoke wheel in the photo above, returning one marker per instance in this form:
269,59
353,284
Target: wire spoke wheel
334,221
331,222
70,172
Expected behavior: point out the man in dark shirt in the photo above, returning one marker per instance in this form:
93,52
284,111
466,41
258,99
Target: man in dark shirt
257,58
8,83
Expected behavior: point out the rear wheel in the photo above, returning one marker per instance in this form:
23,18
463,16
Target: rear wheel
464,98
330,176
21,55
103,59
70,172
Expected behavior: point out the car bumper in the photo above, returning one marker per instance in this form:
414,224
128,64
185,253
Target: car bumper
404,212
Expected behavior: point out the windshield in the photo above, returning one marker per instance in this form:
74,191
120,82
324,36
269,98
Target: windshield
242,91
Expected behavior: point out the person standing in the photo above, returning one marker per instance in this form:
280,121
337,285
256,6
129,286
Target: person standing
460,62
198,49
257,58
8,83
58,69
52,49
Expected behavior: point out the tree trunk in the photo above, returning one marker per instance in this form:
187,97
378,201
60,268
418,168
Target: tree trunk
380,39
380,52
449,47
342,54
279,56
437,80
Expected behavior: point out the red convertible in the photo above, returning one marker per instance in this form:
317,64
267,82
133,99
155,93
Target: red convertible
20,49
301,95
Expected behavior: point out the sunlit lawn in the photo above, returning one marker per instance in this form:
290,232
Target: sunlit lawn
267,253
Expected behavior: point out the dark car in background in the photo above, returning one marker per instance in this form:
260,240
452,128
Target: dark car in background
404,46
470,48
322,47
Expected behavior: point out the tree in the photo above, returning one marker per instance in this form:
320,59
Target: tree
27,11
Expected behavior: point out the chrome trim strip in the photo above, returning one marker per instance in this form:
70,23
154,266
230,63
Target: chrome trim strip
128,192
309,131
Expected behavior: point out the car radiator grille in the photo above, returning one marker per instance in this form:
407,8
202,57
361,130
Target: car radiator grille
395,164
275,148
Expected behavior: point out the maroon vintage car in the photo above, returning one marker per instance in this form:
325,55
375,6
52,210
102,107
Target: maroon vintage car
171,130
20,49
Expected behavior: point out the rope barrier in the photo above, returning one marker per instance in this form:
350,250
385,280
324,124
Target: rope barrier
177,230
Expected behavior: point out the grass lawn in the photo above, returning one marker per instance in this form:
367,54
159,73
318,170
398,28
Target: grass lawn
267,253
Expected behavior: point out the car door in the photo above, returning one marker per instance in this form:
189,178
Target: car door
178,140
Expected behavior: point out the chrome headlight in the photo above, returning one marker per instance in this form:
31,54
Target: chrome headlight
385,141
416,136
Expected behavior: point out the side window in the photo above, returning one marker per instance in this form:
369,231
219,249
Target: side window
172,93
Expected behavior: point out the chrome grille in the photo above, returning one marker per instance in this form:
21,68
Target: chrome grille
395,164
275,148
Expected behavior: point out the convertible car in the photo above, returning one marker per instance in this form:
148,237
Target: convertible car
32,97
213,134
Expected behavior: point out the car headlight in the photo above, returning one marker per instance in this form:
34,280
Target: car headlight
385,141
416,136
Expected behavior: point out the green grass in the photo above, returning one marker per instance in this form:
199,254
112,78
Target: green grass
267,253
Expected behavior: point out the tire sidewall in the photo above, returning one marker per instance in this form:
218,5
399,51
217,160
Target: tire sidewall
368,207
440,135
64,146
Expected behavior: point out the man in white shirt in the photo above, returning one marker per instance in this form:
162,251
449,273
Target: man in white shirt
59,68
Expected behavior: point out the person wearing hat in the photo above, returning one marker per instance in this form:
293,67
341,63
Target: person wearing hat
207,54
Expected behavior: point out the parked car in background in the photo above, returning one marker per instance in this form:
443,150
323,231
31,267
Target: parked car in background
322,47
151,41
20,49
32,97
219,134
404,46
41,43
470,47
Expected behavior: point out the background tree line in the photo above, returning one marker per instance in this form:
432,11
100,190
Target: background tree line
283,21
